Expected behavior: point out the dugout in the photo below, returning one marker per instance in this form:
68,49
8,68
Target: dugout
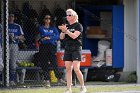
99,18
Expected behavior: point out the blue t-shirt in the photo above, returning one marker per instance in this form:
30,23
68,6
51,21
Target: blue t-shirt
51,32
14,30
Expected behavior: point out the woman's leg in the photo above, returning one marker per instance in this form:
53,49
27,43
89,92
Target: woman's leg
76,65
53,61
44,65
69,67
43,60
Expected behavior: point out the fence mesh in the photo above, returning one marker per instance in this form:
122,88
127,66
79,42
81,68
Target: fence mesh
31,62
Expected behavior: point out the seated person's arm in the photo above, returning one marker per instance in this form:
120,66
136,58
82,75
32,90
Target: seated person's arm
21,37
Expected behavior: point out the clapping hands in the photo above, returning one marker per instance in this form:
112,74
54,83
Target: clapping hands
63,28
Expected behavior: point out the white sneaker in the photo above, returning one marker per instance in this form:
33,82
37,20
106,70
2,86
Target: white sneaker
47,83
12,83
83,89
62,82
68,91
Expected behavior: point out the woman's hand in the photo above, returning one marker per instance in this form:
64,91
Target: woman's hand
63,28
21,38
46,38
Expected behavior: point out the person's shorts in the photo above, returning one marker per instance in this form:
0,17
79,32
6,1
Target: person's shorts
72,55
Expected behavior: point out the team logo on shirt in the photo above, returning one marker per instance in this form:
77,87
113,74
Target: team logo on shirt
13,30
51,31
71,30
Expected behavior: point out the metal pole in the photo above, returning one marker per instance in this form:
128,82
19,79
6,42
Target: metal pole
138,42
5,42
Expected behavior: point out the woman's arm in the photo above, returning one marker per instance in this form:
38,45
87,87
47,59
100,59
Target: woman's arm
66,31
62,35
73,35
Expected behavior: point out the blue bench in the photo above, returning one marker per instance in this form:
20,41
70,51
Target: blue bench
23,71
27,55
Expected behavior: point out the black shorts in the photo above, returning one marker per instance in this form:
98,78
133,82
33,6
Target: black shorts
72,55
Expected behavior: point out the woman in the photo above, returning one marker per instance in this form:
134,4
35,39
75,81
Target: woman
47,49
72,35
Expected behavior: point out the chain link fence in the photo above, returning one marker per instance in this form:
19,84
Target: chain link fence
28,59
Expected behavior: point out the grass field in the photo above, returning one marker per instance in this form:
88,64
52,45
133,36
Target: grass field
90,88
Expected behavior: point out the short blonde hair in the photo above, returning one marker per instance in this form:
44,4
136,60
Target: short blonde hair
73,13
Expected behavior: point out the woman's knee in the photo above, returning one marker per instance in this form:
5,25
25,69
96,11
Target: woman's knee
68,69
76,70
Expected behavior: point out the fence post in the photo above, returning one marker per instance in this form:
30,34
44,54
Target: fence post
5,42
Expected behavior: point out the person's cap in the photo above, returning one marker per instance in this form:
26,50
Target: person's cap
11,14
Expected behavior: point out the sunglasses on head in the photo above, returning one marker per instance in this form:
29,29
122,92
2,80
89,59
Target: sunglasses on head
47,18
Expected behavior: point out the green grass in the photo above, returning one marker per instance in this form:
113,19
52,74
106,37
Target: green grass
91,89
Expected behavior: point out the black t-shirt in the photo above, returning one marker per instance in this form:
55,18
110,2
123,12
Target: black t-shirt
72,28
